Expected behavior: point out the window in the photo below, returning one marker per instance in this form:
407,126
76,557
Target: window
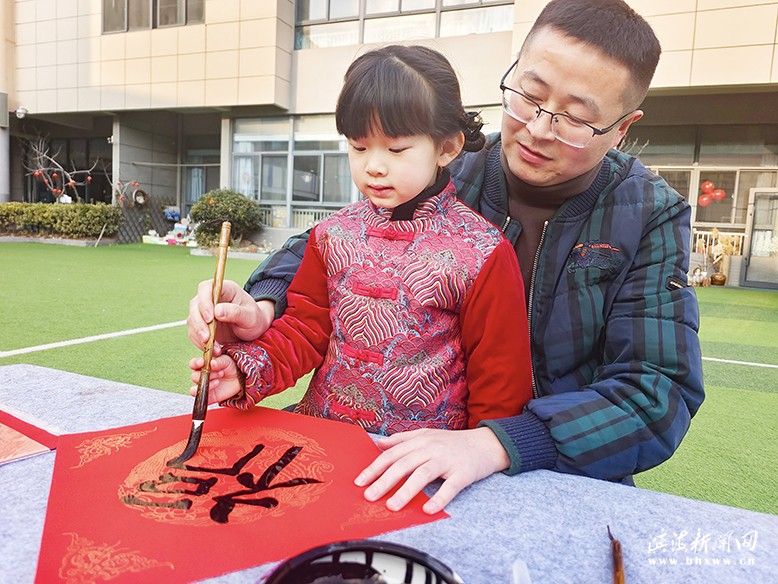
747,145
332,23
298,176
661,145
124,15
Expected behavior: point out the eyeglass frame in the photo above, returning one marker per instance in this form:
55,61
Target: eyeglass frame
595,131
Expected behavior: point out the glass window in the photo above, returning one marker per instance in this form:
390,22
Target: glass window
320,144
266,126
243,179
305,186
77,156
409,5
58,150
344,8
462,22
114,16
459,2
122,15
739,145
273,178
139,14
195,11
717,211
255,140
100,149
748,180
381,6
311,10
337,179
400,28
335,34
171,12
661,145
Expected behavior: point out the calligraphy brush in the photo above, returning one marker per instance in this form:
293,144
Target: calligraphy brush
618,561
201,397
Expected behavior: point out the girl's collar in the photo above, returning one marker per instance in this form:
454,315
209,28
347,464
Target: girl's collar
405,211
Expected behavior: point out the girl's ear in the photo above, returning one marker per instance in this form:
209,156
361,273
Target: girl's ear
450,149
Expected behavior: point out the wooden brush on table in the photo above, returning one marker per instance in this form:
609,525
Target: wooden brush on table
201,397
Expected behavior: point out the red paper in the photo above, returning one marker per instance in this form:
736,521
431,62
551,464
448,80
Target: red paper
283,484
18,439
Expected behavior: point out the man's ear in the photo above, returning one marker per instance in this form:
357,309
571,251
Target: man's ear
450,149
619,134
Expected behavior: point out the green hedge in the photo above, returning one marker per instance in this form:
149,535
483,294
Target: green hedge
77,220
220,205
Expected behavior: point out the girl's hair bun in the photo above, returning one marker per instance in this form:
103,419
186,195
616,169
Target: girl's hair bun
471,128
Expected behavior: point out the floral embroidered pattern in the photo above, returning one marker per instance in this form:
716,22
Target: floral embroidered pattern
105,445
87,562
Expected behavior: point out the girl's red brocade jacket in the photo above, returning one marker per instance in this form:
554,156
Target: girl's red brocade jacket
410,324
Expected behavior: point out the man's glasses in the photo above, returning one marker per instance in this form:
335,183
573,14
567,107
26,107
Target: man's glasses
564,127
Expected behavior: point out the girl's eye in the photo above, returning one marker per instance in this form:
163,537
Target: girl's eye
397,150
358,148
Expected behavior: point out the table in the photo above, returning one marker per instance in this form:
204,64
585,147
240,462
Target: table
556,523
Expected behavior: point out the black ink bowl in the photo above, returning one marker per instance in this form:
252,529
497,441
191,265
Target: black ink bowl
363,562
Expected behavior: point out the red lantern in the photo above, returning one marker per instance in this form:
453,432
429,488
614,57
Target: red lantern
704,199
719,194
707,187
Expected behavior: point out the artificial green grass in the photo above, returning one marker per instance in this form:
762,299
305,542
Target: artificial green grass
729,453
54,293
728,456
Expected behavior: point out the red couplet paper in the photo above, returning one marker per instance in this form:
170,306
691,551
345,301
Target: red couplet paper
19,439
263,486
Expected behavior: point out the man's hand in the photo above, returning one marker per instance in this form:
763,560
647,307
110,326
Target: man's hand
459,457
240,317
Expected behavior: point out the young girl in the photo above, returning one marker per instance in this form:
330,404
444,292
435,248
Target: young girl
409,304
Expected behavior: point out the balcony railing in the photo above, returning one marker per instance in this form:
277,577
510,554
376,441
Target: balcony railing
702,241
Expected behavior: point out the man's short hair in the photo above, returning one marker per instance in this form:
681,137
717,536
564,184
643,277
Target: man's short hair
612,27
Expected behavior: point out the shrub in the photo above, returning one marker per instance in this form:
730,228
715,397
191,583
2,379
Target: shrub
77,220
220,205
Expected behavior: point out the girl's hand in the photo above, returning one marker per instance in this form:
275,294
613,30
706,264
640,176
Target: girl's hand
223,382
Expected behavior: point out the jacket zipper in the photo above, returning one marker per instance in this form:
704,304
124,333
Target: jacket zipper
531,302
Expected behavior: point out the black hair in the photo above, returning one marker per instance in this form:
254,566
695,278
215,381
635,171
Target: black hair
614,28
405,91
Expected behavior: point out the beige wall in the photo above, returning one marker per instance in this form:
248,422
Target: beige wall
240,56
243,56
705,42
319,73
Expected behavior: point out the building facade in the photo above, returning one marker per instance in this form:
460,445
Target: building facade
182,96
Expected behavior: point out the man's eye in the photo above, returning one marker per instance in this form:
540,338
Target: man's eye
568,119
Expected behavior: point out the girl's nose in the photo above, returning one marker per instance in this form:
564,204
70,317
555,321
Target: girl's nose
375,166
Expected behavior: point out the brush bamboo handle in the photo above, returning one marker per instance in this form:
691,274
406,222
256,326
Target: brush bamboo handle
201,398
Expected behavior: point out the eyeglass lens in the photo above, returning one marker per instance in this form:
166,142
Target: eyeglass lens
563,128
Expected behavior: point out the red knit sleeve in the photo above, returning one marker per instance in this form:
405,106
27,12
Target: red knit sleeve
495,337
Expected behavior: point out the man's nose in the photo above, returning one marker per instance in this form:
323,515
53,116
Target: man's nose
541,125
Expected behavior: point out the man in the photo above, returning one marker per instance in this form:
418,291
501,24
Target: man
603,246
